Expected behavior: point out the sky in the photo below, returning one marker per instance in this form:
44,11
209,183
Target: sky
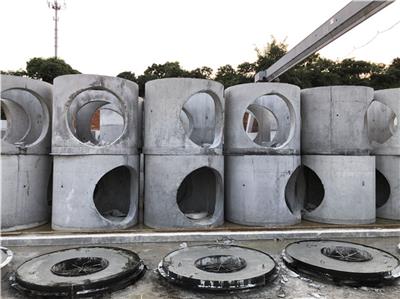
110,36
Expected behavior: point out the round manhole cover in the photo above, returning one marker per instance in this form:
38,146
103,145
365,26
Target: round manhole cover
343,262
218,267
78,272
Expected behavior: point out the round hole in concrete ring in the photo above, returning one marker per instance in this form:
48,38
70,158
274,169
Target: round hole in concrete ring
113,192
382,189
382,122
295,191
201,119
197,194
261,126
220,263
96,118
314,190
25,119
79,266
269,121
346,253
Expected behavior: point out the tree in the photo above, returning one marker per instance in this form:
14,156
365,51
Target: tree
270,54
128,76
389,77
203,72
20,73
48,69
160,71
228,76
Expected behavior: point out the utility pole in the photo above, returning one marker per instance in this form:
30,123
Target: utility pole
56,6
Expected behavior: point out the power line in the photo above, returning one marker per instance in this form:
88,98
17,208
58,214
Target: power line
379,32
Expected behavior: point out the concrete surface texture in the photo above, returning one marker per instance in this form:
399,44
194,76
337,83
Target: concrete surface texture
262,153
383,122
384,133
25,147
263,190
25,191
388,187
334,120
339,189
77,98
95,192
288,285
183,116
184,191
26,104
140,123
184,166
274,112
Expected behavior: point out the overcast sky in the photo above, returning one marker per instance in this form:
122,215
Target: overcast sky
110,36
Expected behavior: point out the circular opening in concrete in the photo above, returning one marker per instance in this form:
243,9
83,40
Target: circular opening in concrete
23,117
314,190
112,194
382,122
4,122
196,196
261,126
201,119
79,266
346,254
107,124
96,117
295,191
268,122
382,189
220,263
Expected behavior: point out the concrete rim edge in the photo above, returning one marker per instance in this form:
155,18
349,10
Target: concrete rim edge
160,237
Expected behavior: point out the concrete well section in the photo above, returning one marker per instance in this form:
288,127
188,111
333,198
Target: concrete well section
263,190
25,183
384,122
262,118
94,115
334,120
25,115
183,116
140,123
184,191
95,192
339,189
388,187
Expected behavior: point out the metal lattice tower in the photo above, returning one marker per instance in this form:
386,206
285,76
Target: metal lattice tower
56,6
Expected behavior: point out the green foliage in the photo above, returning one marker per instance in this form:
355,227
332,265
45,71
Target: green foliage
128,76
48,69
21,73
314,71
389,77
268,55
203,72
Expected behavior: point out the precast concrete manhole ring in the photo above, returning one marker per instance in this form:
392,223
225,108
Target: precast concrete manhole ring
342,262
6,256
217,267
78,272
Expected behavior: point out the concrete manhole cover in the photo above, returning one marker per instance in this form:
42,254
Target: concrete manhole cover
218,267
78,272
342,262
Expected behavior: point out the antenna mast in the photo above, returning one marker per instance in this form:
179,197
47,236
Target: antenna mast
56,6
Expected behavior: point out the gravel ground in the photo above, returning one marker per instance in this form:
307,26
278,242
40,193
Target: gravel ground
287,285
